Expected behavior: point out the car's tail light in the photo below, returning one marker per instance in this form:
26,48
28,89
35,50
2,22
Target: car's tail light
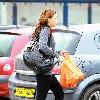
6,67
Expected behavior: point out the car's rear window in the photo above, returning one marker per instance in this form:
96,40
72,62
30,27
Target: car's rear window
6,42
66,41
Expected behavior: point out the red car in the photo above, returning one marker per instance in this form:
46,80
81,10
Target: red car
11,43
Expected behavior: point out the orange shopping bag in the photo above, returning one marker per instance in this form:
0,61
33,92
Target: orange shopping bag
70,74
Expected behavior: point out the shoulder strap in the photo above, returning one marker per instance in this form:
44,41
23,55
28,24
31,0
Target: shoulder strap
49,38
48,42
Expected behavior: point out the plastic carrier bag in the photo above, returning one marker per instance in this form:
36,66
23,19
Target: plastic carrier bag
70,74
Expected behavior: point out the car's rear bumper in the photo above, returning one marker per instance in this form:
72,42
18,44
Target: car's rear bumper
14,82
4,85
4,92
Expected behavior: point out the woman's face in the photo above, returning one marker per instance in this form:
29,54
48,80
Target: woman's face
52,22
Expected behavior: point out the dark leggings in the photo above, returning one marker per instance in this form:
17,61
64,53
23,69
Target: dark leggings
46,82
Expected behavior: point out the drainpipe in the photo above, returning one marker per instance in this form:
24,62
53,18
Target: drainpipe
14,14
65,13
89,13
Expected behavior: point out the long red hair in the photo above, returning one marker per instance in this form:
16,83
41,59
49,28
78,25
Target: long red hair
43,21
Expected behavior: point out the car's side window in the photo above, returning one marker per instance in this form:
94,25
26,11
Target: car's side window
6,43
97,40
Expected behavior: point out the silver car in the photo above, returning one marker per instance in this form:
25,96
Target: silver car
83,44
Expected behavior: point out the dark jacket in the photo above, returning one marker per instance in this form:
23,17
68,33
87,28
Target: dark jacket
43,44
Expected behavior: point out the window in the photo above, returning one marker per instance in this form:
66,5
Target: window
6,42
99,39
66,41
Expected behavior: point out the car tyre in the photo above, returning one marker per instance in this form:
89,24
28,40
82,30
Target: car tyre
3,98
91,93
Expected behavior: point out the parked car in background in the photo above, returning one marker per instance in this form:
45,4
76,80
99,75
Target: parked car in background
11,43
83,44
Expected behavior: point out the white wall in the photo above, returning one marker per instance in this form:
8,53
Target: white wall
3,13
9,13
96,13
31,12
77,14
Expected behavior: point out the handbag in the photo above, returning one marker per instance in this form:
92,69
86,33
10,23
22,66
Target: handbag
36,60
70,74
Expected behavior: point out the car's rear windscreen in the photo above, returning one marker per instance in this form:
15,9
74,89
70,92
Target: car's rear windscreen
6,42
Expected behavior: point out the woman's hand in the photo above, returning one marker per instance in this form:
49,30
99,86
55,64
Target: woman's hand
63,55
63,52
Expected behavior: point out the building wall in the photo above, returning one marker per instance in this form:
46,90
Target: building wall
28,13
9,13
34,10
3,13
96,13
77,13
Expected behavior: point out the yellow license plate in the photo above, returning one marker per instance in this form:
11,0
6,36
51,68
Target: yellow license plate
25,92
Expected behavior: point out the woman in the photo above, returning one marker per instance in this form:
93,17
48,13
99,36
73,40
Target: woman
47,81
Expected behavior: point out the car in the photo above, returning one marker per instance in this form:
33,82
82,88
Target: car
83,44
12,41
